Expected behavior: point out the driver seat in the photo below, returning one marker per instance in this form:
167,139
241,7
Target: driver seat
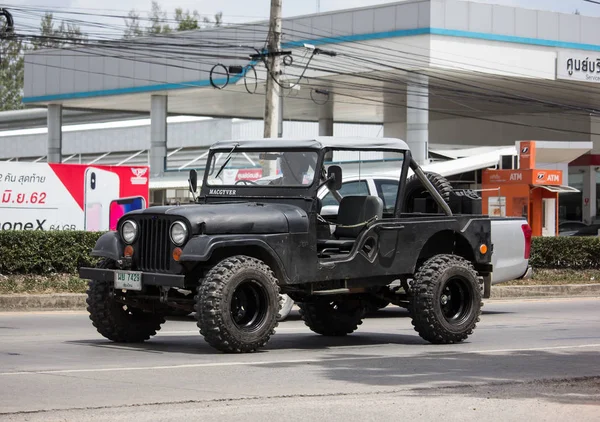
355,213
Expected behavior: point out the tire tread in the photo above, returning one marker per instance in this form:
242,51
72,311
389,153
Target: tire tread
112,321
422,299
210,295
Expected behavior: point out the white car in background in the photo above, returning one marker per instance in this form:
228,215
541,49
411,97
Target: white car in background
384,187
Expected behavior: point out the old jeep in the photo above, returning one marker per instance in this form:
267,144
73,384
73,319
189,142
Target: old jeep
255,232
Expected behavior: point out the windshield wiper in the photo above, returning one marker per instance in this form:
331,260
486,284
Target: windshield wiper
226,160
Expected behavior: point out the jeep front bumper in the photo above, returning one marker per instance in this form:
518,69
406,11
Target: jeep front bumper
148,279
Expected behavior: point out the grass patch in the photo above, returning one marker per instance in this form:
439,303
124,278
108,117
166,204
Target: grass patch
67,283
567,276
40,284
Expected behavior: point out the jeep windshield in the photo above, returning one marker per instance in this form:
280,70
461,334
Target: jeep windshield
262,168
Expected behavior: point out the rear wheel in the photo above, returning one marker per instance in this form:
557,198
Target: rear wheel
336,317
445,299
238,304
115,321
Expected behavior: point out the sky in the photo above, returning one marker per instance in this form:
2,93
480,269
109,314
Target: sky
235,11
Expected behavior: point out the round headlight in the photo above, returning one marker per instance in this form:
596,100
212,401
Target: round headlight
179,233
129,231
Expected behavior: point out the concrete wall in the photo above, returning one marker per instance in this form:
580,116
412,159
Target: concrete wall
174,59
180,134
92,139
480,132
513,21
484,133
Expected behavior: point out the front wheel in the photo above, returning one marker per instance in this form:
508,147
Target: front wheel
116,321
238,304
445,299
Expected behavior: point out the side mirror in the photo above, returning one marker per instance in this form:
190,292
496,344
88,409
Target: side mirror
334,177
193,180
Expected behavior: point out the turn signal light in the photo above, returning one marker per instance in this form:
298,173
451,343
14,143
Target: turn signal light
177,254
128,252
483,249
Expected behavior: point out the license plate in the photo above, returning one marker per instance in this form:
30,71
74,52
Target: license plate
128,280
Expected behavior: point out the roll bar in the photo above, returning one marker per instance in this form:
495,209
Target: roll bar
432,190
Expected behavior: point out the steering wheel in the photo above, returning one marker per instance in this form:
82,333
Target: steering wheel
245,182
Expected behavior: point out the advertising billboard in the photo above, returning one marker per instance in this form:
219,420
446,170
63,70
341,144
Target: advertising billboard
47,196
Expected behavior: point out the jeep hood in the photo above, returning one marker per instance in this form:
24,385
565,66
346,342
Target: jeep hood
237,218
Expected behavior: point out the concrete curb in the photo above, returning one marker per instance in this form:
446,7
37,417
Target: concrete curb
76,301
569,290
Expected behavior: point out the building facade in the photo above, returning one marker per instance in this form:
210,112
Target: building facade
431,72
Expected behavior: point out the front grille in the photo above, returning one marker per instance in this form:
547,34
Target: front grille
154,244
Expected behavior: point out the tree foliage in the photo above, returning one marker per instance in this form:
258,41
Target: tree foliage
132,25
64,34
12,51
185,20
52,36
12,68
157,21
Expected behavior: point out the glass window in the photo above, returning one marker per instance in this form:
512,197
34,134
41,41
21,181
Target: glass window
366,163
571,204
357,188
249,168
387,191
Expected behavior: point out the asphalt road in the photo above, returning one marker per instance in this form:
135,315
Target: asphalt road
537,360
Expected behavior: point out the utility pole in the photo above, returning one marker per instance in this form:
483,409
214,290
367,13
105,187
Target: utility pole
272,108
280,119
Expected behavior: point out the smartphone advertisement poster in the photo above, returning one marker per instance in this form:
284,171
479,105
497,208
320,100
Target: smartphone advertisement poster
47,196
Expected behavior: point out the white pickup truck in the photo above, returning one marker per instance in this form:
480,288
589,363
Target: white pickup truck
511,237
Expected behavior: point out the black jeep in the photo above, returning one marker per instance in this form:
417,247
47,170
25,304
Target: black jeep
255,231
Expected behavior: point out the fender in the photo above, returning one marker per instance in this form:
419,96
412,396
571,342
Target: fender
201,248
108,246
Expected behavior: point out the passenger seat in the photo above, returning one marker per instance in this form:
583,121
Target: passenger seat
355,213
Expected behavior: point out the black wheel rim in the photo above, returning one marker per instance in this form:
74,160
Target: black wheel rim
456,300
249,305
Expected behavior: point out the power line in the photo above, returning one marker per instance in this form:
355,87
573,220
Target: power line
359,59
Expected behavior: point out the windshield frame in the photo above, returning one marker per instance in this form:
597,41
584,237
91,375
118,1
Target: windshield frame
277,191
259,190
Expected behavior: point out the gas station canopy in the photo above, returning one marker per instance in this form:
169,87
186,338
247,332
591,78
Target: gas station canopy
470,60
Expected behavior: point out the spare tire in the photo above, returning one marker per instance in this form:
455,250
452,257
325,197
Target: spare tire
415,190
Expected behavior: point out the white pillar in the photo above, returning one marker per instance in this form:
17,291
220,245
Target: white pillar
326,126
589,194
54,147
417,117
158,134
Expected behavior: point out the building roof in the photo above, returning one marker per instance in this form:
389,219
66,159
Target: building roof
317,143
484,49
